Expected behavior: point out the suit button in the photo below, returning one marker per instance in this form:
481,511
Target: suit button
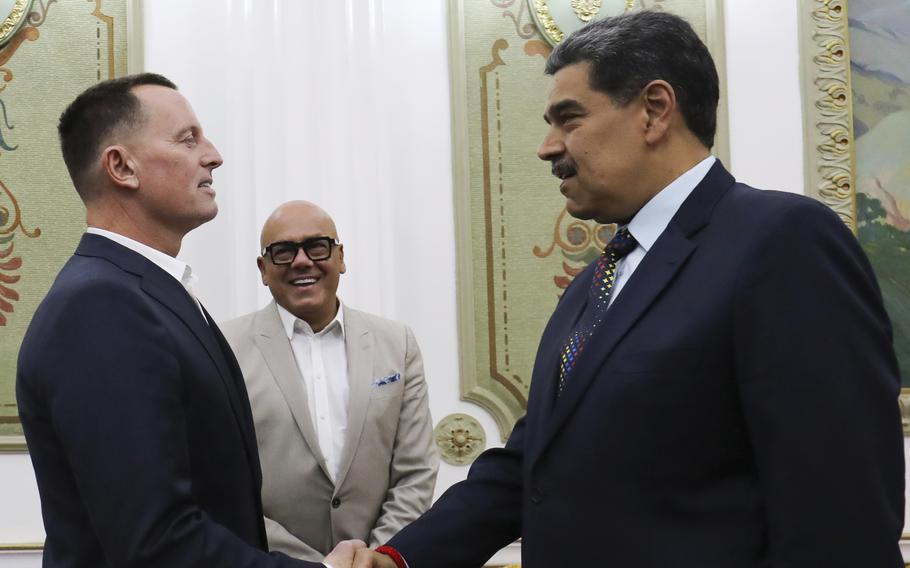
336,502
536,496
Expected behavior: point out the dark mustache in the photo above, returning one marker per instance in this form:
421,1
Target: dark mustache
563,168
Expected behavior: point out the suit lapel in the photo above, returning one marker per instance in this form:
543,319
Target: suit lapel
271,339
546,365
359,349
171,294
239,388
653,274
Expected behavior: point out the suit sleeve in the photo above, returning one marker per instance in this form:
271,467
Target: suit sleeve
415,461
115,398
474,518
819,386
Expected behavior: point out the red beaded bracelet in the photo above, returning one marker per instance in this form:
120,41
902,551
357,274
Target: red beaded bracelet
396,556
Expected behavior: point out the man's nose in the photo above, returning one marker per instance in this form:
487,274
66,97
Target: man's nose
551,147
212,158
301,260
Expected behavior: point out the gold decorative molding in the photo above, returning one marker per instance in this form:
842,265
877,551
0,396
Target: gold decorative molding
549,14
21,546
545,22
904,403
828,116
460,438
14,20
13,444
586,9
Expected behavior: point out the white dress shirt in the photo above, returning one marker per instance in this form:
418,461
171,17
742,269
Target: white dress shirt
651,220
323,363
180,270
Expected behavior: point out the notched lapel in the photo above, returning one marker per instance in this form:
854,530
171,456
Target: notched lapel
359,348
272,342
560,325
654,273
171,294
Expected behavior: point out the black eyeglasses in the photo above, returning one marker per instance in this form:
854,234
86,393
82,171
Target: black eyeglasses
316,248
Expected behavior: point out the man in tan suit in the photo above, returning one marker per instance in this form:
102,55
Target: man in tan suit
338,397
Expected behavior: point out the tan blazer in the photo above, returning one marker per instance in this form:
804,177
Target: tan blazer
387,470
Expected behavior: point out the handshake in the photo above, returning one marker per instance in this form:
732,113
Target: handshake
355,554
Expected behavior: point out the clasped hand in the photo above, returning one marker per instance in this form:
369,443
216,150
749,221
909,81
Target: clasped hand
355,554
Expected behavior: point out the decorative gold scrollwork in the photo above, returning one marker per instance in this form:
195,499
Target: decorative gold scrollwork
586,9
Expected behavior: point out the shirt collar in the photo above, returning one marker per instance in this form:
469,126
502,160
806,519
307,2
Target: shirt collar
180,270
288,320
651,220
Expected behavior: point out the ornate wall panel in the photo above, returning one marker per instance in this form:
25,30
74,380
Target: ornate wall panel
517,247
856,92
62,48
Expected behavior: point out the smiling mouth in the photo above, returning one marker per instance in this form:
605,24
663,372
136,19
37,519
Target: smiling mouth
304,282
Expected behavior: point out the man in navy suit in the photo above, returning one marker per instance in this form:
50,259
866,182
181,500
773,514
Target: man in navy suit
725,396
133,406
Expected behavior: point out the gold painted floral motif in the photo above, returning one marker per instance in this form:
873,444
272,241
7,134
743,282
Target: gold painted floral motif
586,9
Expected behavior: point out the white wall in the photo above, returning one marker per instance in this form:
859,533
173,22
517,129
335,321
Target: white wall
347,103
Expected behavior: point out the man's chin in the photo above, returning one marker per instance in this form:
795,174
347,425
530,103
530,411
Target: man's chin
577,211
598,216
207,213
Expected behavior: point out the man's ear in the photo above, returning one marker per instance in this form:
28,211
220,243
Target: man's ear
119,167
260,263
660,105
341,256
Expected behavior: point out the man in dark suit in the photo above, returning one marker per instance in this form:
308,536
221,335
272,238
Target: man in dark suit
133,406
719,390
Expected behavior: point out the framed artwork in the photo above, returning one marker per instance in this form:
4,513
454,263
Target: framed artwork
856,92
58,49
517,248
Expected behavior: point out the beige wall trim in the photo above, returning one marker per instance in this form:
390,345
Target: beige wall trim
21,546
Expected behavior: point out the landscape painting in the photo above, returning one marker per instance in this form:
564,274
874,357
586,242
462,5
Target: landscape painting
880,77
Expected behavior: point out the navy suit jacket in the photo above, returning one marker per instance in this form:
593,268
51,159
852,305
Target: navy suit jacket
736,409
138,423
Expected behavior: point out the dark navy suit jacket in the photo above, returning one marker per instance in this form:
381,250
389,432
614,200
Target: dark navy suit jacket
138,423
736,409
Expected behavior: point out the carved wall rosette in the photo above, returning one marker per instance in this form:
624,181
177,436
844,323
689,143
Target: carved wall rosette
460,438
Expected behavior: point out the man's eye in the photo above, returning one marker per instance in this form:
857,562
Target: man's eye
190,140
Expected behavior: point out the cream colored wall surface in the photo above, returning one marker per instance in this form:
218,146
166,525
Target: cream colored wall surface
283,90
766,142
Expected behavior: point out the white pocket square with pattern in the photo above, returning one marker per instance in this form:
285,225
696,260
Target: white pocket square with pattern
387,380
